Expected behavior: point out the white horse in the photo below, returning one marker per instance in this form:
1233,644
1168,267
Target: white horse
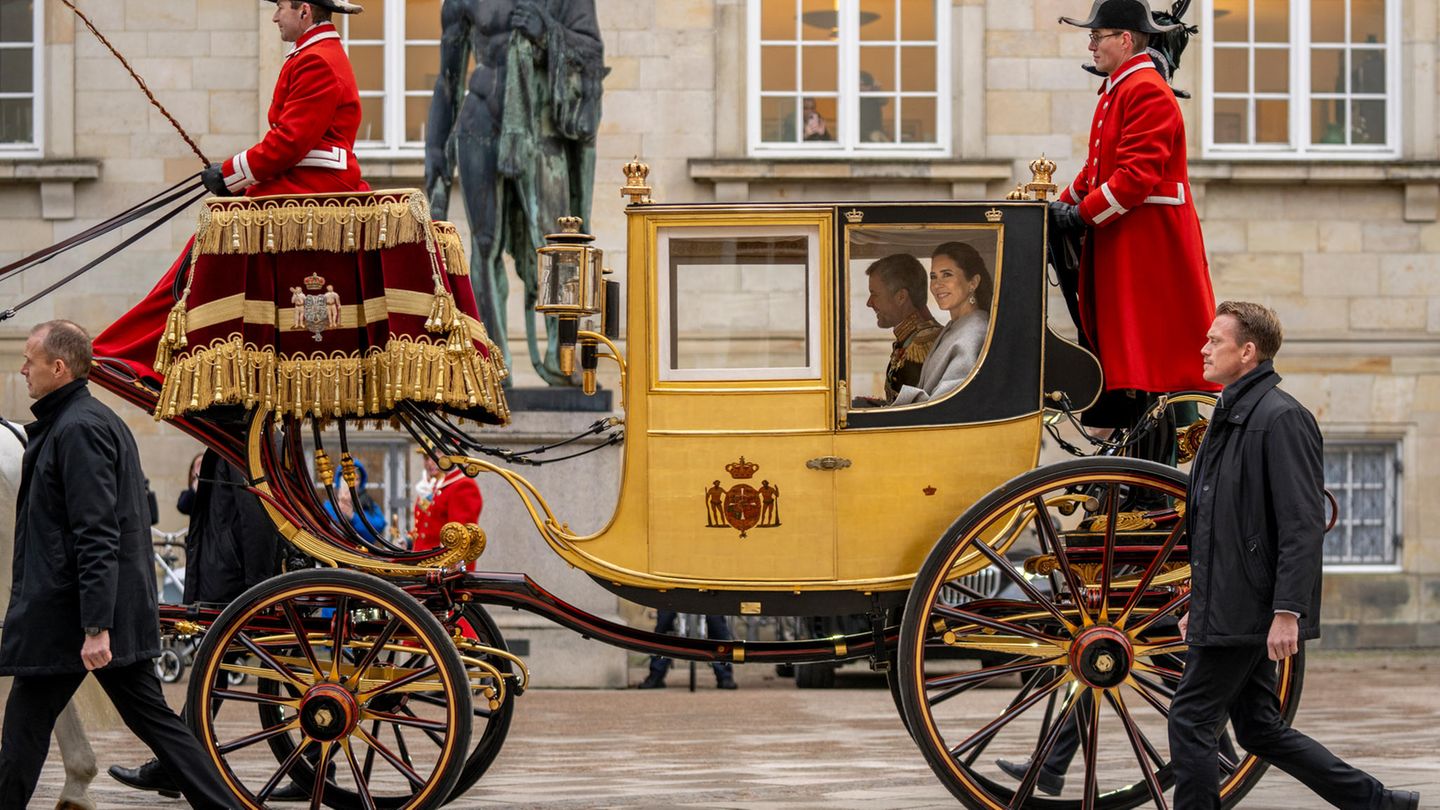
75,750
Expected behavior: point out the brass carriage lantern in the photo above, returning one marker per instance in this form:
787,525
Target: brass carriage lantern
571,283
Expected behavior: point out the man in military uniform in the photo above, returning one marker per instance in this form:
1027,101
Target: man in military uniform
453,497
314,117
1144,285
898,297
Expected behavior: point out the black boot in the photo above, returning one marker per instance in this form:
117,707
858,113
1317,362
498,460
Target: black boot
1049,783
655,680
150,776
1400,800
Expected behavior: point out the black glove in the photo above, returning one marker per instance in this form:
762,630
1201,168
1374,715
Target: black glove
213,178
528,19
1066,217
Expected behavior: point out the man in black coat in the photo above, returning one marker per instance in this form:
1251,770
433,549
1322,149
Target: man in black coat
1256,530
84,590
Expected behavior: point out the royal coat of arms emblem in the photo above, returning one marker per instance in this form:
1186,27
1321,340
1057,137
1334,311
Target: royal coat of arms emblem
742,507
316,306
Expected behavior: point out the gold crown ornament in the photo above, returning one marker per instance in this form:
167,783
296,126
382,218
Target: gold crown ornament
742,469
314,282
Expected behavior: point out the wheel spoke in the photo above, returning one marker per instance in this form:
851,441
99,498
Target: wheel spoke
337,635
317,792
429,731
1107,553
259,736
374,651
370,750
1140,745
1091,746
284,769
997,559
362,780
1062,558
1026,789
395,762
302,637
271,661
961,614
1161,557
1014,711
253,697
1174,604
403,720
1164,672
1147,691
414,677
976,677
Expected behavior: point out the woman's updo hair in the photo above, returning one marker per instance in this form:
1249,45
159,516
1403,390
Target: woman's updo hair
969,261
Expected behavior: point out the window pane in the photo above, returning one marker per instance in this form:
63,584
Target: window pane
17,120
821,19
917,19
877,119
1327,121
372,120
877,19
1232,20
819,72
1272,20
1369,122
917,69
1272,70
777,120
422,19
879,62
1327,20
1272,121
917,120
777,68
417,117
1327,70
1232,70
777,19
369,64
17,21
1367,20
1367,71
821,119
17,70
370,25
422,67
739,302
1232,120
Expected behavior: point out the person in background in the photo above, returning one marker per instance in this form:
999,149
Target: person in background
716,628
368,520
443,497
186,501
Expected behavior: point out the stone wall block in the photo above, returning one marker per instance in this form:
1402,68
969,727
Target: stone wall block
1391,237
1071,111
177,44
1410,274
1302,317
1351,398
691,71
1247,203
1249,275
233,112
694,14
1012,15
1282,237
1341,237
1430,238
1394,399
225,73
1018,113
1063,73
1007,73
1340,274
160,15
1434,326
190,107
234,43
134,44
1023,44
1025,148
101,73
625,15
624,73
109,113
1388,314
230,15
1225,236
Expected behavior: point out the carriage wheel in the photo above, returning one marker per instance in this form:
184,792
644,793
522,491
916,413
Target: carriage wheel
1088,626
492,717
337,657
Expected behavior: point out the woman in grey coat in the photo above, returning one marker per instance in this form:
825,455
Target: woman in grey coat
961,285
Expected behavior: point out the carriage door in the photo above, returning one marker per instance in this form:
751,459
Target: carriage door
739,409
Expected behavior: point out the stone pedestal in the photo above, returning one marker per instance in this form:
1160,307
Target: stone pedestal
581,492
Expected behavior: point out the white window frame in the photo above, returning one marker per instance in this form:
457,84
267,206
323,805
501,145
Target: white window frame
814,335
849,145
393,46
36,146
1299,96
1395,479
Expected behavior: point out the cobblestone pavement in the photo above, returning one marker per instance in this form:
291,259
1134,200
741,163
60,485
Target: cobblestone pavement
769,745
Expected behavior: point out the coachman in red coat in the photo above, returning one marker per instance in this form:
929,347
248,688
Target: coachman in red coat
452,497
1145,294
314,117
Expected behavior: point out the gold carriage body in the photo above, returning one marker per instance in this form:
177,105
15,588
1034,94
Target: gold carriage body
762,489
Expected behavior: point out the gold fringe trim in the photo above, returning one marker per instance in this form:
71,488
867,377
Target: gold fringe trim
331,223
452,248
173,339
232,372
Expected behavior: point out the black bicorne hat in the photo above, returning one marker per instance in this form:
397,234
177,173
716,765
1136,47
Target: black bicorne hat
337,6
1124,15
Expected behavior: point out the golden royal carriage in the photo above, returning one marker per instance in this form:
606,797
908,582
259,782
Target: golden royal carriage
752,484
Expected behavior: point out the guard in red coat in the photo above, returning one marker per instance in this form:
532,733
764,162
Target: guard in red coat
314,117
1145,298
444,497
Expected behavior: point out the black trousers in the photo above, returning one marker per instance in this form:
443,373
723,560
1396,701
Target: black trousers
1240,682
716,627
36,700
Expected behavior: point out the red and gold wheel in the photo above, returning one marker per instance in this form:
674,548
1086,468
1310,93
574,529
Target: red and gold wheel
1087,626
363,699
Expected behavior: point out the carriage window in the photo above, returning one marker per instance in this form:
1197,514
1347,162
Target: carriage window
739,303
901,352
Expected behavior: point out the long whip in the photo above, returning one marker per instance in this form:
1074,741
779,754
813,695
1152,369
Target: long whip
143,87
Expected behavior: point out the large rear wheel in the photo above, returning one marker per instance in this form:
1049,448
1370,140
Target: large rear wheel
1088,625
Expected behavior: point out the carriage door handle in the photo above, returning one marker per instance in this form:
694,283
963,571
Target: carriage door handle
828,463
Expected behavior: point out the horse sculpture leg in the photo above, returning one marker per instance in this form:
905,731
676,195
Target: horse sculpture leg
79,760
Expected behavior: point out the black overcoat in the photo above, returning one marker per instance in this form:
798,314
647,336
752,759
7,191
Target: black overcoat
232,543
82,541
1256,516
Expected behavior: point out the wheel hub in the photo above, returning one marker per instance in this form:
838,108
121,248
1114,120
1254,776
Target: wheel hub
1101,657
328,712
